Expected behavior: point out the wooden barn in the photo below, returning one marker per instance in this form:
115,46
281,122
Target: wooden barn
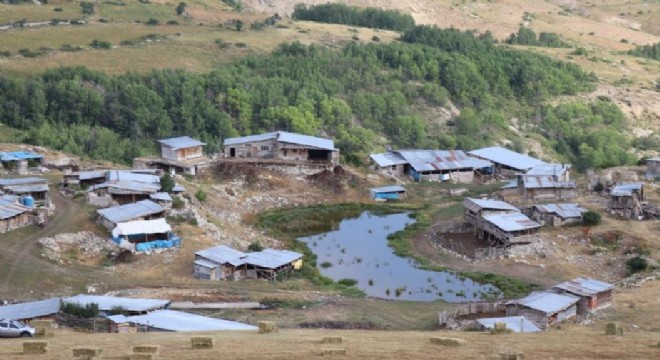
544,309
34,187
594,295
626,200
508,229
126,187
224,263
557,214
84,179
507,163
13,214
476,209
283,146
177,155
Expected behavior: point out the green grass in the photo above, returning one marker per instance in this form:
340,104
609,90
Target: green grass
38,13
136,11
511,288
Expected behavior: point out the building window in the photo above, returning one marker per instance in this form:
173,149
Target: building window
264,148
393,167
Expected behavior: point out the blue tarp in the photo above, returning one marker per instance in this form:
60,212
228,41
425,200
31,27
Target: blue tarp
174,241
18,155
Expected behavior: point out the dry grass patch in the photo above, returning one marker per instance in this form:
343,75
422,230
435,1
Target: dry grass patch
446,341
198,343
35,347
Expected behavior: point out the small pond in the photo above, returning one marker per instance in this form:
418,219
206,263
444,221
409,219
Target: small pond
358,250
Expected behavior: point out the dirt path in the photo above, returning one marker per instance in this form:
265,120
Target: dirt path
20,247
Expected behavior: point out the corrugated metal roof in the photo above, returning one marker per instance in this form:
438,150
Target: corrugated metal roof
30,310
19,155
271,258
549,169
129,186
161,196
119,175
434,160
512,222
220,254
388,159
107,303
9,207
488,204
23,181
117,319
178,188
507,157
172,320
518,324
627,189
512,184
545,182
157,226
287,137
566,210
388,189
206,264
23,189
585,286
547,302
131,211
181,142
95,174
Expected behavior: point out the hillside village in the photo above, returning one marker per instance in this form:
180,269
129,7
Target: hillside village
193,244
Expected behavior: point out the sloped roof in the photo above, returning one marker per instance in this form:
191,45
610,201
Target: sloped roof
271,258
30,310
545,182
507,157
206,263
157,226
94,174
287,137
161,196
434,160
171,320
107,303
547,302
19,155
9,207
220,254
514,323
627,189
566,210
549,170
584,286
128,176
131,211
388,189
512,222
181,142
23,181
388,159
488,204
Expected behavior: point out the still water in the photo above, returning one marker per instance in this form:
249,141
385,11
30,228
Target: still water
358,250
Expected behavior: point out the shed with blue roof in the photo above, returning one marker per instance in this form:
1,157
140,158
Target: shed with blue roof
386,193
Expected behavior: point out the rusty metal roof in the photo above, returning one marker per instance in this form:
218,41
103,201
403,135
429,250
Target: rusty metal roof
512,222
388,159
584,286
440,160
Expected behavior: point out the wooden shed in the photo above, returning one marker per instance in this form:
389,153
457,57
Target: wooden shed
557,214
224,263
544,309
386,193
14,215
626,200
476,209
593,294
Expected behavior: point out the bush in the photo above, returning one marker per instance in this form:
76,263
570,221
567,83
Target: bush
636,264
5,53
240,44
181,8
166,183
87,8
591,218
177,203
57,9
201,195
348,282
255,247
599,187
70,48
375,38
77,310
99,44
172,22
153,22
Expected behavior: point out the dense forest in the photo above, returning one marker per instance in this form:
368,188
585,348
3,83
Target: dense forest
363,96
648,51
353,15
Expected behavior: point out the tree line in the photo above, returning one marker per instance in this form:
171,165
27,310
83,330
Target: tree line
527,36
648,51
362,96
352,15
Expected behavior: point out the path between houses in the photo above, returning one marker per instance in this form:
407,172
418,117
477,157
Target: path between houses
21,250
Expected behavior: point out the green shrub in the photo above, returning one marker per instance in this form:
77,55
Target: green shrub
348,282
201,195
255,246
177,203
87,8
636,264
100,44
240,44
70,48
166,183
87,311
5,53
326,264
591,218
153,22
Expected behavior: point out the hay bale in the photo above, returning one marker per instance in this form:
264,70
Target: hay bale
142,356
613,328
499,327
445,341
201,343
325,352
39,332
332,340
266,327
146,349
46,324
35,347
87,353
